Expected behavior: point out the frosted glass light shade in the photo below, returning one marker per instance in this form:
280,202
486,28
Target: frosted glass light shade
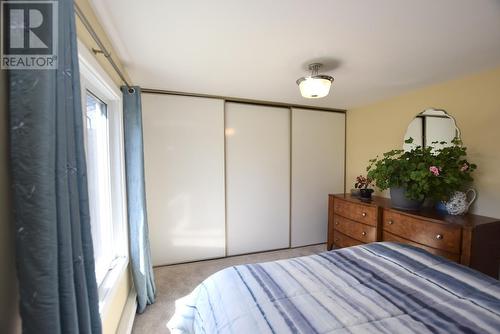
315,87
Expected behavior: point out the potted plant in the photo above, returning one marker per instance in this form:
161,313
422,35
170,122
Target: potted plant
452,174
421,173
453,171
362,183
406,174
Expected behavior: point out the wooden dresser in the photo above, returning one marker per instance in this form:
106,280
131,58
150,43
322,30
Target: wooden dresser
471,240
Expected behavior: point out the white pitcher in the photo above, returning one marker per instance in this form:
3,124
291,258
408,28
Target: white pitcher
459,204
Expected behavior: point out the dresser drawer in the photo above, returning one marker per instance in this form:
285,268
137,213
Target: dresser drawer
386,236
356,211
446,237
355,230
341,240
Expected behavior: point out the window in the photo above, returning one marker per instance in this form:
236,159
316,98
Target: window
103,137
98,175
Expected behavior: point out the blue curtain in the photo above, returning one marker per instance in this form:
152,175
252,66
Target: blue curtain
142,269
54,254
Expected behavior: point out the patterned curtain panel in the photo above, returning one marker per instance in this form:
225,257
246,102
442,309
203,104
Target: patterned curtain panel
55,261
142,269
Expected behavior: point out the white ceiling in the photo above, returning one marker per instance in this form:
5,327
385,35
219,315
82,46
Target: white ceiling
256,49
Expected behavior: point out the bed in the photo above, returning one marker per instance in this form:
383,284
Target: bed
374,288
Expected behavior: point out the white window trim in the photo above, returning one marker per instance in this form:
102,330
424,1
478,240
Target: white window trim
93,77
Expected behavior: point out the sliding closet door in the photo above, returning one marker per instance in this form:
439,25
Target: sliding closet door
318,144
257,178
184,165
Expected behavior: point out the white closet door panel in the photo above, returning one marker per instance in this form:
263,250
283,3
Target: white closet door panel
318,144
257,178
184,165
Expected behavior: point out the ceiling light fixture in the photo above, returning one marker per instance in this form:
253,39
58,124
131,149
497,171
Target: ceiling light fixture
316,85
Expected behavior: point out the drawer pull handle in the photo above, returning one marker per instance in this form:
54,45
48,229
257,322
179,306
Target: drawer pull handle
363,234
364,214
336,223
390,222
439,236
336,240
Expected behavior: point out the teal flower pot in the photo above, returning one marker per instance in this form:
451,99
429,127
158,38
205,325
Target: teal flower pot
399,200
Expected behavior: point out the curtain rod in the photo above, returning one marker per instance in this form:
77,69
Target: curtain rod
102,48
240,100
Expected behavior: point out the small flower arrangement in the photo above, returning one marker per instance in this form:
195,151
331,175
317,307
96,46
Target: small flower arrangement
363,182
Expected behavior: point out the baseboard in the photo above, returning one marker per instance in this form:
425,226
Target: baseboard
236,255
128,314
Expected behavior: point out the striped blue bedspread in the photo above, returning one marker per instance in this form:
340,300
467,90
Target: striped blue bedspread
374,288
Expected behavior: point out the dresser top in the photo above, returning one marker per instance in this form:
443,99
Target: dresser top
467,220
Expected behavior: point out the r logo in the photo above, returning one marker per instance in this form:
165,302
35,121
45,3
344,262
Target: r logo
29,28
17,24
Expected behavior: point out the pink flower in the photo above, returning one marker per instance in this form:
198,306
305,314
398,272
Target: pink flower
434,170
464,167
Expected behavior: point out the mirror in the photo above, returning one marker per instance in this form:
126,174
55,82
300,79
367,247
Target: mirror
431,125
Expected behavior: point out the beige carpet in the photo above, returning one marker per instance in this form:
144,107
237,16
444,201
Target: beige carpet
173,282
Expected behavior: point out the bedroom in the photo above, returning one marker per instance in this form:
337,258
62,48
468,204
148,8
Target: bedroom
197,146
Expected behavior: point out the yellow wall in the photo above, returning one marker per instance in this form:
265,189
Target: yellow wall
111,318
475,103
